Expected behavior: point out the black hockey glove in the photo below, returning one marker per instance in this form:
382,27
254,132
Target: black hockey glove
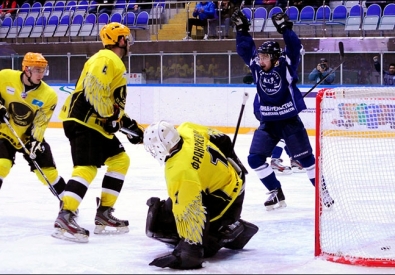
281,22
111,124
240,21
184,256
3,114
35,147
134,132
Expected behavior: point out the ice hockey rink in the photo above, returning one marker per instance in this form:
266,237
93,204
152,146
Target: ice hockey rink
284,243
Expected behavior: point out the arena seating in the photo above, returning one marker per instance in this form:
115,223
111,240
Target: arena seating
349,19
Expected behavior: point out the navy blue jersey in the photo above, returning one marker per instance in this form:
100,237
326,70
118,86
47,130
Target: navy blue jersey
279,97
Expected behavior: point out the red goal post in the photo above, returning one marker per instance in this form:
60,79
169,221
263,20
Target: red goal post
355,152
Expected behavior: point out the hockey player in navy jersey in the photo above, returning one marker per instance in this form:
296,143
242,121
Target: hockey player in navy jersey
275,73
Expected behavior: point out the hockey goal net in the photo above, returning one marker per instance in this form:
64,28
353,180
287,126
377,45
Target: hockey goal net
355,151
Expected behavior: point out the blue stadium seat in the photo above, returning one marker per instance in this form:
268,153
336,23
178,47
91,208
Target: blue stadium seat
293,13
372,18
260,16
38,27
87,25
75,25
387,21
23,11
27,27
35,10
102,20
63,26
51,26
129,19
15,28
353,21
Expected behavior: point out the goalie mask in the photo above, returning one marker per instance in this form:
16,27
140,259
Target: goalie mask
272,48
159,139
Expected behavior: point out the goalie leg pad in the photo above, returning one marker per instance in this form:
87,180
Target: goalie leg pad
225,234
244,237
160,224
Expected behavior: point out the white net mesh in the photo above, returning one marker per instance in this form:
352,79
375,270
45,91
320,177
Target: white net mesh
356,144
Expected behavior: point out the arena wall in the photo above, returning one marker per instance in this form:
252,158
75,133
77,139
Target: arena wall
212,105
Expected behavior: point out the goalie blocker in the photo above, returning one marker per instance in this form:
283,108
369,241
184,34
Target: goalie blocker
161,226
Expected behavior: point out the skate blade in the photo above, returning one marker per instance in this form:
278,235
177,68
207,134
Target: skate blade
64,235
284,172
278,205
108,230
297,170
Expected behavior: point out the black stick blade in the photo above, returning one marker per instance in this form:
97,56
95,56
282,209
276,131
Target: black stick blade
341,49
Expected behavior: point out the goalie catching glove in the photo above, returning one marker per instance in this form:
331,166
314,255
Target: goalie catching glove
134,132
281,22
34,147
240,21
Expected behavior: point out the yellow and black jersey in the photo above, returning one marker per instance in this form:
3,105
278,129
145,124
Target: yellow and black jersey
27,108
102,84
198,168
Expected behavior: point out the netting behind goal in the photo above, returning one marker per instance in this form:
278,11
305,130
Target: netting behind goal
355,152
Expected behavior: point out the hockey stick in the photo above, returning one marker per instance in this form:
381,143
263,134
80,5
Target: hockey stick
245,97
341,50
51,188
126,131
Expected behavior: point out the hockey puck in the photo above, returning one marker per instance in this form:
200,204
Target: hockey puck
386,248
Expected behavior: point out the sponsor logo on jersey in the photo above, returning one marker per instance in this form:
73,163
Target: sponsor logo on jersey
10,90
37,103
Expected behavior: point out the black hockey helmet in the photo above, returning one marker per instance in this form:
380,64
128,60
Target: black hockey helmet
272,48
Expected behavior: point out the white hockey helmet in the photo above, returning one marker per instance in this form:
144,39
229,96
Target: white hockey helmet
159,139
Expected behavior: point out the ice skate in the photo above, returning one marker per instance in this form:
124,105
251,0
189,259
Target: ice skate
326,199
106,223
279,168
76,212
276,200
67,229
296,166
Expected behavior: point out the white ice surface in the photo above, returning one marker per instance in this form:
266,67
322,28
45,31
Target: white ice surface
284,243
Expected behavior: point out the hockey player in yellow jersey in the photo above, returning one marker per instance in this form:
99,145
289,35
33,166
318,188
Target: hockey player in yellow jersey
91,116
28,103
205,183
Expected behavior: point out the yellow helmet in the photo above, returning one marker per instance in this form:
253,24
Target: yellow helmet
34,60
110,33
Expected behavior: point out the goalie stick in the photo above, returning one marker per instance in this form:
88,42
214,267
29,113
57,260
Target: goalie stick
245,97
51,188
341,51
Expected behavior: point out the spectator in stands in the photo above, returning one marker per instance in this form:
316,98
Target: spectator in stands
321,71
142,5
103,6
149,71
170,69
8,9
388,76
202,12
182,67
269,4
300,4
200,68
225,9
281,3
